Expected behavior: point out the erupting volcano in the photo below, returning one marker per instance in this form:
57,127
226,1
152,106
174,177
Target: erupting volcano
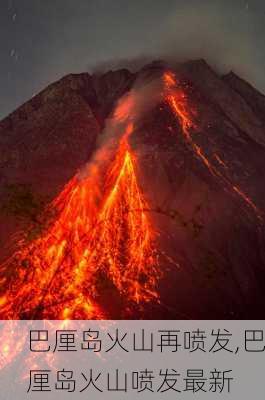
164,195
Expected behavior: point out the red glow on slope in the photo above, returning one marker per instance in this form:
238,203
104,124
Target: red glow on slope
179,105
181,108
57,274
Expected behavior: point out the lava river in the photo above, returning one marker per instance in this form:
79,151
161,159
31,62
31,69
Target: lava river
58,276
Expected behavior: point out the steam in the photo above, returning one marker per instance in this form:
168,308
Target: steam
100,35
228,35
129,109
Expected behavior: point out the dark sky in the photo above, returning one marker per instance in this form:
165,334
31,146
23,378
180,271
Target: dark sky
42,40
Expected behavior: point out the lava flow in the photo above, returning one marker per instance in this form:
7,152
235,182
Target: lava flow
96,241
178,102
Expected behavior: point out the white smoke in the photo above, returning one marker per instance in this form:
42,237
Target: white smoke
129,109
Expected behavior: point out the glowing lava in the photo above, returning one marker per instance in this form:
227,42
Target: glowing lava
101,236
181,107
92,239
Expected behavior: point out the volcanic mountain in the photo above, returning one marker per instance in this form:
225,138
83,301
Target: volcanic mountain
135,195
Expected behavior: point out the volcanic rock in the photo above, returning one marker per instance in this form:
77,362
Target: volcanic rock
210,218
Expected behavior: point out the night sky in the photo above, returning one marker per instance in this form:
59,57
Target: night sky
42,40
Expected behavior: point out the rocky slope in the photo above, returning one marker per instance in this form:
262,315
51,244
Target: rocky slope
206,191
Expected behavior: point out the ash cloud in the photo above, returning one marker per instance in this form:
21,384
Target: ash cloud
54,38
229,35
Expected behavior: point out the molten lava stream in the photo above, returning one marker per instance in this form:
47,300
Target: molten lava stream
178,103
124,233
60,274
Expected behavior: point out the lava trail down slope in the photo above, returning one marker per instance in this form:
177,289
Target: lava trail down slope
135,196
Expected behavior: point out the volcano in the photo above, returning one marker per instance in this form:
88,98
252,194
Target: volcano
135,195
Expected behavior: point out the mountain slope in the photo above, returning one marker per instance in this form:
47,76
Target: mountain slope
200,165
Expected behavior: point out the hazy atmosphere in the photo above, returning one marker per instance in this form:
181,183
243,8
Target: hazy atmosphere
43,40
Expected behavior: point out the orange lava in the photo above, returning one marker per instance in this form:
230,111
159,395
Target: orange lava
101,235
179,104
97,235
